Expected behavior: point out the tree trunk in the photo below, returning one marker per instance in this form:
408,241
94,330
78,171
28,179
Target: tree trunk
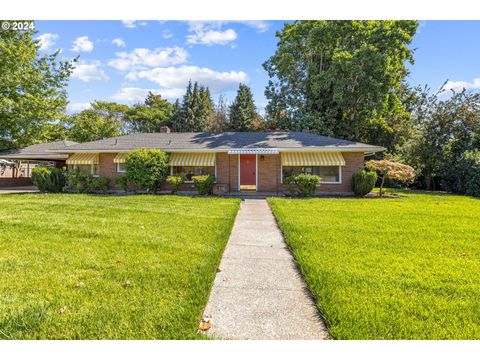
381,186
428,182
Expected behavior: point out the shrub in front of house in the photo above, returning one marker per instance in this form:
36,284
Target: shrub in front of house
176,181
363,182
303,185
122,181
147,168
48,180
203,184
85,183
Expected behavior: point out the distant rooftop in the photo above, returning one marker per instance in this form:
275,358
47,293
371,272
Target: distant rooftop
39,151
207,141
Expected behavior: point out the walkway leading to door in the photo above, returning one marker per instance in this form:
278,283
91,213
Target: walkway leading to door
258,292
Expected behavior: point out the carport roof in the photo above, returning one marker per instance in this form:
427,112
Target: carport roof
44,151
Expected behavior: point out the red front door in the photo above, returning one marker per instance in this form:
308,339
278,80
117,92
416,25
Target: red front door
248,169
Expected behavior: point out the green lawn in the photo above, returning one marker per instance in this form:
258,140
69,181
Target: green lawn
108,267
405,268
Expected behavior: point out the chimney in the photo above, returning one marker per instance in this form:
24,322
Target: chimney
165,129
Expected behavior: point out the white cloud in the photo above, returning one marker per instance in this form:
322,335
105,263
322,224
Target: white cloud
458,86
145,57
135,94
119,42
259,25
46,41
178,77
77,107
167,34
209,33
89,71
212,37
82,43
129,23
133,23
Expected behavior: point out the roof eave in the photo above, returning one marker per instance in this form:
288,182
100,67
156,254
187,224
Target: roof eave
290,149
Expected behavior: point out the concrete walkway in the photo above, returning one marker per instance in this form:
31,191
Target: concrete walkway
258,292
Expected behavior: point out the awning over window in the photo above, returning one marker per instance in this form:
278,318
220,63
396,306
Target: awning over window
253,151
312,159
82,159
120,158
192,159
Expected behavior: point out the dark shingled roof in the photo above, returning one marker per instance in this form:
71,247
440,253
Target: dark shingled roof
220,142
39,151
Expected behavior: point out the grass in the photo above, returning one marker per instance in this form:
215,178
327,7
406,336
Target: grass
402,268
108,267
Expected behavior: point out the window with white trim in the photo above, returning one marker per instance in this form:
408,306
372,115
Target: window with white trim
120,167
190,171
329,174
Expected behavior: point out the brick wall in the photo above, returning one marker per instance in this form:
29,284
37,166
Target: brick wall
354,162
227,173
227,170
267,168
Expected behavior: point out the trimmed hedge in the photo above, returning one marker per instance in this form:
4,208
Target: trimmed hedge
363,182
176,181
203,184
147,168
303,185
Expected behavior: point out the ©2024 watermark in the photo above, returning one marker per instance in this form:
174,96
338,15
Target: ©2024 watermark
17,25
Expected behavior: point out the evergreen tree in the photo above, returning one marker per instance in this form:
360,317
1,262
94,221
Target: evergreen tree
205,110
195,110
242,110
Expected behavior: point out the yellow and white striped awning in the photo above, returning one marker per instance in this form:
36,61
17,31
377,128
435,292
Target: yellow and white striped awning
192,159
82,159
120,158
312,159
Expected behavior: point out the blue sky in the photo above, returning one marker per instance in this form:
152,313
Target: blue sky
121,61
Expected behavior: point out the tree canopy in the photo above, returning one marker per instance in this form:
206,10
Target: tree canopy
242,111
340,78
32,89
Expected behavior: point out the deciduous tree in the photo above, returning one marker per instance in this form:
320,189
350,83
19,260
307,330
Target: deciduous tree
340,78
32,88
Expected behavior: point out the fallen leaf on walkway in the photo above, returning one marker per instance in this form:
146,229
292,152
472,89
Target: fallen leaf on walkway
218,269
205,324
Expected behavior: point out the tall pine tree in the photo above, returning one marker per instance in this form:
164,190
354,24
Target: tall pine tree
242,110
195,110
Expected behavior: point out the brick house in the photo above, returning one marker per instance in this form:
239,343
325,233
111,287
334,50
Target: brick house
240,161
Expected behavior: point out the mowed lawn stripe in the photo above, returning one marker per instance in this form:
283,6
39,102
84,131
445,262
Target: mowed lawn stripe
404,268
108,267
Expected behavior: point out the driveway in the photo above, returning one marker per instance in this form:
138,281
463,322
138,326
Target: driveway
18,189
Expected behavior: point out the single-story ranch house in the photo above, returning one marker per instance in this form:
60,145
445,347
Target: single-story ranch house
240,161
